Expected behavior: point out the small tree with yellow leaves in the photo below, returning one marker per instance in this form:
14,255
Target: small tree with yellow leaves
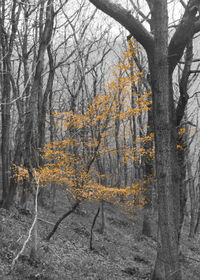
93,136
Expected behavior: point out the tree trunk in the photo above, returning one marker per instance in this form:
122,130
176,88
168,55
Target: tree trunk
52,131
34,106
6,48
17,151
148,172
43,110
167,171
192,201
93,224
5,106
5,141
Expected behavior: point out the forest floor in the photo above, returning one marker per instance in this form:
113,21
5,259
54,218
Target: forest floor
121,252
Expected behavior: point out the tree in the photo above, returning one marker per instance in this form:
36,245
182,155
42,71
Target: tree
7,38
76,160
163,58
18,54
34,127
32,76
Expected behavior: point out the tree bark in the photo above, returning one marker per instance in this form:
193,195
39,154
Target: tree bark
6,47
33,113
167,172
192,201
43,110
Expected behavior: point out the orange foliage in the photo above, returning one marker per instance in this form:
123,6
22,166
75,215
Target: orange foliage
67,162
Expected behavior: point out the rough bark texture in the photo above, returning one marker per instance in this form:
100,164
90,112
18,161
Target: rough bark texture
167,173
182,140
6,50
43,111
34,106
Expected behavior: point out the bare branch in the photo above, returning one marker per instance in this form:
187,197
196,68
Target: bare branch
183,3
146,18
125,18
182,103
189,25
194,71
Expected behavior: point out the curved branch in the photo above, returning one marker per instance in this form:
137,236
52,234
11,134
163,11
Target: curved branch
188,26
125,18
61,219
183,99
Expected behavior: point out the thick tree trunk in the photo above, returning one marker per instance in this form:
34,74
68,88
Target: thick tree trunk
5,141
33,114
6,49
167,171
5,106
148,172
168,182
43,110
17,151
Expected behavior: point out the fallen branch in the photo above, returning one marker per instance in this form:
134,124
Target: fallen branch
61,219
31,228
44,221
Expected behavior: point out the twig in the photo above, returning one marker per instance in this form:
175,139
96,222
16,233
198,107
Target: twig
39,219
140,12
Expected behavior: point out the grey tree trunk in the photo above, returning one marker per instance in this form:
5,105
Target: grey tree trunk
7,38
34,108
167,171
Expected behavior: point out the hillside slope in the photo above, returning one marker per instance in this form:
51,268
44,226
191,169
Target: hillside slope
121,252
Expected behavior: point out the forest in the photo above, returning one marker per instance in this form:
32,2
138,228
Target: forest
100,153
